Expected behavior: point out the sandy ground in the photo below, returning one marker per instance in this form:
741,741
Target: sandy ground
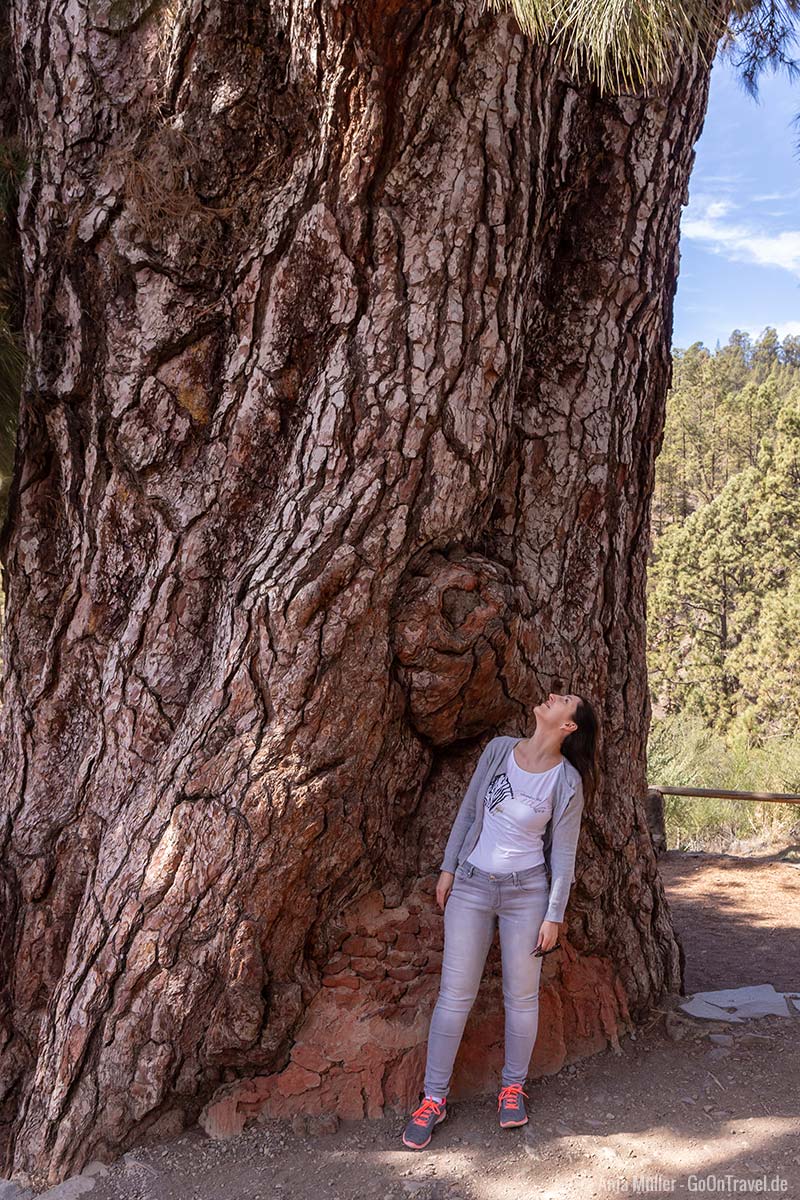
686,1107
738,918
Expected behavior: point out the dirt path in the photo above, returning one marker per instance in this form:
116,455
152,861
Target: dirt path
687,1106
738,918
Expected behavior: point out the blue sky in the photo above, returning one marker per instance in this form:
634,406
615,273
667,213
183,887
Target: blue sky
740,231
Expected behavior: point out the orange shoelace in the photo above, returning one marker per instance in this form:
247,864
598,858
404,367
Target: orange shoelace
511,1095
425,1109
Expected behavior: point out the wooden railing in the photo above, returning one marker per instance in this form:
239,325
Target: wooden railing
721,794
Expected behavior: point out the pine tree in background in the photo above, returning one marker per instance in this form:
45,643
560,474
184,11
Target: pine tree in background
722,599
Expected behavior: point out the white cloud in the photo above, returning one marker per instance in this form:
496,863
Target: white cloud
718,208
732,178
777,195
740,242
702,201
788,329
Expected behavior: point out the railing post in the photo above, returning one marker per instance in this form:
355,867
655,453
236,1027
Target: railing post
654,807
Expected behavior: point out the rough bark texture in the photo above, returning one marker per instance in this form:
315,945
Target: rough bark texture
349,330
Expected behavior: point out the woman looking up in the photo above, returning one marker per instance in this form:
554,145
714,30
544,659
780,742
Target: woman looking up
509,861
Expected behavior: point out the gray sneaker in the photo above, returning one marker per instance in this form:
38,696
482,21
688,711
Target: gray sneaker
419,1129
511,1106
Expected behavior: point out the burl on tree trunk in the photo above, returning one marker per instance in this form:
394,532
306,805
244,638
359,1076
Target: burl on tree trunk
349,336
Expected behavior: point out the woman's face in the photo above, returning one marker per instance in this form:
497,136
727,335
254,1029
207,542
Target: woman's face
557,713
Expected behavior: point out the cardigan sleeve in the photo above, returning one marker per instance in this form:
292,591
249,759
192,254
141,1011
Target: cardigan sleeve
465,815
564,845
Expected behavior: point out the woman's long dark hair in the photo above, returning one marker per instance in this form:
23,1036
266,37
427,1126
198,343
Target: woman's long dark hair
580,745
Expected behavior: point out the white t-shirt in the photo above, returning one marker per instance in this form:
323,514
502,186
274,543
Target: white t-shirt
517,806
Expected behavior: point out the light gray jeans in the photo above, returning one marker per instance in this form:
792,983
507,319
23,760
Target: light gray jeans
517,901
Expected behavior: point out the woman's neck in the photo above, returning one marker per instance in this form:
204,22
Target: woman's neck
540,752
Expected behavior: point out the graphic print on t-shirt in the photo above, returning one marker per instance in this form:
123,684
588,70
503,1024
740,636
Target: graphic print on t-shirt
500,789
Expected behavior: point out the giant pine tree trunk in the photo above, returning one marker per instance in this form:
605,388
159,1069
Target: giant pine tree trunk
348,330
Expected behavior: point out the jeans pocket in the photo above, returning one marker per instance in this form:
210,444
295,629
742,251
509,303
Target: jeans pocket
533,883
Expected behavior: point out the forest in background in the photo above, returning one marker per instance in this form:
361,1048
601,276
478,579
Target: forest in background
723,598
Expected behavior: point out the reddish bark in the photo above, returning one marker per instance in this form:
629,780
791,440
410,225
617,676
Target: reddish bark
349,345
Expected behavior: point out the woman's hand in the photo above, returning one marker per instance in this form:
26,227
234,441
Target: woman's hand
548,935
443,887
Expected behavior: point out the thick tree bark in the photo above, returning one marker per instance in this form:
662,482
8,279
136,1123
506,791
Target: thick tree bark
349,335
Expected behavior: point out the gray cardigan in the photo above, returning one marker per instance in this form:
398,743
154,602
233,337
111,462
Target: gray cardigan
561,835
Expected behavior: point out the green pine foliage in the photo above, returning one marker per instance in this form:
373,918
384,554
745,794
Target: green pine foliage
619,45
625,45
723,602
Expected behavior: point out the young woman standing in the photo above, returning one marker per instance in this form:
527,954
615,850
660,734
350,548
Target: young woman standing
509,861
